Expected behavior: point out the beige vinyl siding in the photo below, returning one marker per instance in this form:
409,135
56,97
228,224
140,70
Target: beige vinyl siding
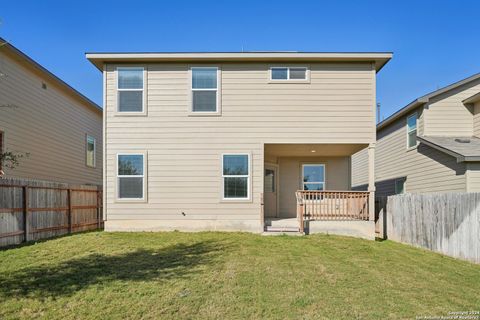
473,177
48,124
337,177
476,119
359,169
446,115
184,151
425,169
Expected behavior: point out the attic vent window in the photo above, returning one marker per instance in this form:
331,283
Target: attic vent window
462,140
44,85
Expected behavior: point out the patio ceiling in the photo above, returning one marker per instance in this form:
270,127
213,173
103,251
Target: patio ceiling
312,150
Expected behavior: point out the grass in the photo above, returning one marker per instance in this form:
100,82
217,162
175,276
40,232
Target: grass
230,276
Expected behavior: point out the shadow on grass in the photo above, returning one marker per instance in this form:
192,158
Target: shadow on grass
64,279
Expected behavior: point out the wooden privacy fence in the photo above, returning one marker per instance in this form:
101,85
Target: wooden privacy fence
448,223
32,210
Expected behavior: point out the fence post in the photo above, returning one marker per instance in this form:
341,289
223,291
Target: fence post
26,225
69,217
98,210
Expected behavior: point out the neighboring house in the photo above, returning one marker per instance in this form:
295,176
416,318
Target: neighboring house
40,115
431,145
222,141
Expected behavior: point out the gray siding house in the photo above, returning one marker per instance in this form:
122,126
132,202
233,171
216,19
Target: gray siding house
43,117
237,141
431,145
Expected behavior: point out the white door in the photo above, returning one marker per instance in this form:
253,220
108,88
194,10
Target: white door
270,191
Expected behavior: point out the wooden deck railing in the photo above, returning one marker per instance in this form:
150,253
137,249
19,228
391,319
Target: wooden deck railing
332,205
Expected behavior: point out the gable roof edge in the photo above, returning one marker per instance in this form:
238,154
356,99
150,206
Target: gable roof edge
424,99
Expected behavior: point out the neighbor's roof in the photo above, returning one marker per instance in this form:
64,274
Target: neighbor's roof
424,99
472,99
98,59
21,57
463,148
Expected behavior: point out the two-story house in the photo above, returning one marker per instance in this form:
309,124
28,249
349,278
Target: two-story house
430,145
248,141
54,130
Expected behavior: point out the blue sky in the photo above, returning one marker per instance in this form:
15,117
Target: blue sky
434,43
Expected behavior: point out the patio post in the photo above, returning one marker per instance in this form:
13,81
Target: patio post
371,181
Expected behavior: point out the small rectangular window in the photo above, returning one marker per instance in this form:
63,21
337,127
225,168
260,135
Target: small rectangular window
288,73
269,181
90,151
236,176
279,73
412,131
130,87
399,186
204,89
130,175
313,177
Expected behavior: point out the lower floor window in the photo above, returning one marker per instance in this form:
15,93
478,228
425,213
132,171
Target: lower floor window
399,186
236,176
313,177
130,174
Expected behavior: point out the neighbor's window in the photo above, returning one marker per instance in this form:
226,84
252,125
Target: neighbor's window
204,89
130,89
236,176
130,176
412,131
289,73
313,177
399,186
90,150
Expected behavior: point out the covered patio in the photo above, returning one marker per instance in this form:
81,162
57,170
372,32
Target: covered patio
307,189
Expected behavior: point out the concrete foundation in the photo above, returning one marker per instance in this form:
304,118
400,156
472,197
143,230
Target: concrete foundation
184,225
360,229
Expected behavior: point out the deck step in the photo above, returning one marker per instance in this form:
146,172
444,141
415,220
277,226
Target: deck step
282,223
282,233
281,229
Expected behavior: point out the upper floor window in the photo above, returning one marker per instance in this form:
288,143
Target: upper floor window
412,131
205,90
288,73
130,88
91,146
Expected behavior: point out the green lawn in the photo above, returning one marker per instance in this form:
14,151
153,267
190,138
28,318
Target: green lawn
230,276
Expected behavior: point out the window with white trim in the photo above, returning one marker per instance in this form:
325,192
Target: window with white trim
313,177
205,89
130,88
288,73
412,131
90,149
130,176
236,176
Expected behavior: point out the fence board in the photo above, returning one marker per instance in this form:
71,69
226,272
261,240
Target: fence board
47,208
448,223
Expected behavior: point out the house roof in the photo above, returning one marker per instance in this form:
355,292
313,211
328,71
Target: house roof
465,149
424,99
99,59
22,58
472,99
